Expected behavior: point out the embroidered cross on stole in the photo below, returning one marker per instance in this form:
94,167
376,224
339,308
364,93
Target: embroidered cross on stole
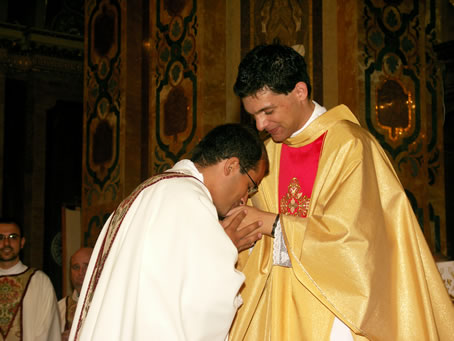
12,293
297,171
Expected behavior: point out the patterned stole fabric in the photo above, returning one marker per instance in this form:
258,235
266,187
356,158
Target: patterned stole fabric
71,305
12,293
298,168
109,239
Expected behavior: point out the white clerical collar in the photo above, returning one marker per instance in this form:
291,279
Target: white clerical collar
15,269
75,295
318,111
187,167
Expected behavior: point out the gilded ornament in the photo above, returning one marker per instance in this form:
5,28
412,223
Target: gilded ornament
294,202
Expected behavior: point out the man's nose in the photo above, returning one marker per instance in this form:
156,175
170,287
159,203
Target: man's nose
261,122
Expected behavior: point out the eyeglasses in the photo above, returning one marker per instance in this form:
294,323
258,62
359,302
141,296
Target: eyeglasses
12,236
251,190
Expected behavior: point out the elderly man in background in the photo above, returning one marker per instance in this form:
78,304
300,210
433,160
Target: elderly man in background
28,305
67,305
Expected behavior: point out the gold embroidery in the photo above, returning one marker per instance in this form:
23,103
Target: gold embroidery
71,305
109,238
12,292
294,202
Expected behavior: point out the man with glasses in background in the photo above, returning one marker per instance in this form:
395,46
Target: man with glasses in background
28,304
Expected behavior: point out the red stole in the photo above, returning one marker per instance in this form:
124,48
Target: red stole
297,171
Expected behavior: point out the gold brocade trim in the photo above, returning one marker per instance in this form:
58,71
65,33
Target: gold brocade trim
12,292
294,202
71,305
109,238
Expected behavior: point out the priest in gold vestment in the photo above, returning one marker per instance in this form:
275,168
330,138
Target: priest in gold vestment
345,258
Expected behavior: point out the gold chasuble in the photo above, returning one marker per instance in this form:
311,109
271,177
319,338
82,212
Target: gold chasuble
12,292
356,249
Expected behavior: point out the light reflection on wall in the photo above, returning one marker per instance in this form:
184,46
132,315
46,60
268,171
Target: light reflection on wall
394,109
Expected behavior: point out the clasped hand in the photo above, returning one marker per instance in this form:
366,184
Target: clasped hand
241,228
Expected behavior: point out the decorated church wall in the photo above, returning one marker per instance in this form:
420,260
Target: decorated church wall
158,78
155,82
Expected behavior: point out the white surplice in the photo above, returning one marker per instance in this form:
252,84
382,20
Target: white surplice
170,272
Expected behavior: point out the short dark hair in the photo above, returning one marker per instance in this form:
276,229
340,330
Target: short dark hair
230,140
8,220
275,67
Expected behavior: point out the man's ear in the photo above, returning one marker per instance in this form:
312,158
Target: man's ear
230,165
22,243
301,90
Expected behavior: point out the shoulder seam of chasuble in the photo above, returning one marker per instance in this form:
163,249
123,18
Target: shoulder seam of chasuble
12,292
114,225
322,124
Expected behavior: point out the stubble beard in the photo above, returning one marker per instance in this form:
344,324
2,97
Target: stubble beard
12,256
